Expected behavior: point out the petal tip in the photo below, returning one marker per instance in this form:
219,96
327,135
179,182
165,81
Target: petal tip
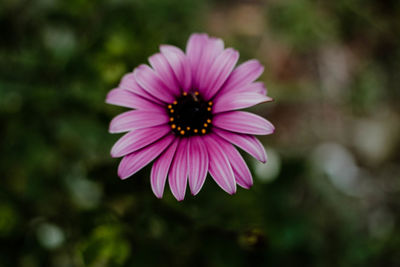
194,192
122,176
247,186
111,129
158,193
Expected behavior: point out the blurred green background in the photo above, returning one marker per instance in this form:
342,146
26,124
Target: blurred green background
328,196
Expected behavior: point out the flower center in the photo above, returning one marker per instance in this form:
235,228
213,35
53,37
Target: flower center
190,115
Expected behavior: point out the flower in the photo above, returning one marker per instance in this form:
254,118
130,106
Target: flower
185,117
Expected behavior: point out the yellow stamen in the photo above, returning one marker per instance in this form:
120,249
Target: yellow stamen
179,128
169,106
173,126
188,128
171,119
203,131
182,132
184,94
208,120
209,109
196,93
205,125
171,110
195,130
175,102
210,103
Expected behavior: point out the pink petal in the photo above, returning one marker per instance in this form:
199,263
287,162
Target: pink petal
197,163
202,51
179,171
237,100
160,169
243,122
239,166
256,87
138,139
161,66
220,168
137,119
243,75
125,98
248,143
179,64
219,72
150,82
211,51
194,51
135,161
128,82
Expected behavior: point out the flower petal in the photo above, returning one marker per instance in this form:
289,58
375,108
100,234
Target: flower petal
128,99
248,143
243,122
160,169
243,75
211,51
179,171
202,51
165,72
256,87
137,119
179,64
128,82
150,82
138,139
239,166
218,72
197,164
237,100
135,161
220,169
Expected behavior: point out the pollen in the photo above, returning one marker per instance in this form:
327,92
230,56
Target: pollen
189,114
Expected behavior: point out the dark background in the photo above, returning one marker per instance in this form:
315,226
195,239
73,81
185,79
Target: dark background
328,196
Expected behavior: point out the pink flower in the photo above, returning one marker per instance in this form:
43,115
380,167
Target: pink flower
185,117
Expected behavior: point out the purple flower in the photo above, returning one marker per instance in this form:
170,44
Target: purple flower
185,117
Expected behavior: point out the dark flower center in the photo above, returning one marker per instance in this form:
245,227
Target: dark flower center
190,115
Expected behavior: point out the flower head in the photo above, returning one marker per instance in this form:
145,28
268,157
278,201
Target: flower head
185,117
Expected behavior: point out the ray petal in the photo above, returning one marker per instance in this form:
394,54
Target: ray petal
135,161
